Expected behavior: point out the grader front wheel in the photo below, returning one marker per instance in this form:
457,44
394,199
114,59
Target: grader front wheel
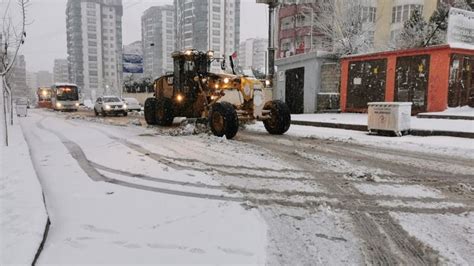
223,120
280,117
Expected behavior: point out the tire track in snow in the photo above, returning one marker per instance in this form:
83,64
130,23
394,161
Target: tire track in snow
385,241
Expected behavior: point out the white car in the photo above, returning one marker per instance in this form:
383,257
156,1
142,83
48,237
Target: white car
132,104
107,105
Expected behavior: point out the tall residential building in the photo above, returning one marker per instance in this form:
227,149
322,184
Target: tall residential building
158,40
16,78
60,71
253,53
31,80
44,78
94,44
208,25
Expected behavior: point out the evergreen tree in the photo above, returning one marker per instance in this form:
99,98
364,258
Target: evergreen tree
414,32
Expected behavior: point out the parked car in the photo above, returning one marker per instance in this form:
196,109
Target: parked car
132,104
110,105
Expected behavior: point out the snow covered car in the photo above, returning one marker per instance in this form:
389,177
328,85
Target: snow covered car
110,105
132,104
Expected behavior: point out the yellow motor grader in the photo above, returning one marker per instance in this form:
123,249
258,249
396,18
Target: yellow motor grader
222,100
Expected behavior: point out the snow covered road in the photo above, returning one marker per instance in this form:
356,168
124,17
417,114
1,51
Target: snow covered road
128,194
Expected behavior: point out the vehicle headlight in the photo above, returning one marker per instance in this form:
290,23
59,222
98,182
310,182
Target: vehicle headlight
107,107
58,105
268,83
179,97
226,80
124,106
77,104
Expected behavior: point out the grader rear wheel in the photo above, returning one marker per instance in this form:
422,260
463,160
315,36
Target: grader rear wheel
164,112
150,107
280,117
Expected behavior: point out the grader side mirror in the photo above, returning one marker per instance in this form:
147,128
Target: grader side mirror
223,64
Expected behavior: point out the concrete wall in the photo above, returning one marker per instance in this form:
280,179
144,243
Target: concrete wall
312,63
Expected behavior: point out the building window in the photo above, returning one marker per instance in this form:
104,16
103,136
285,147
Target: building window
287,23
403,13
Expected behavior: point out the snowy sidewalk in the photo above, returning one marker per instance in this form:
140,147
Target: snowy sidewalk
352,121
23,215
462,113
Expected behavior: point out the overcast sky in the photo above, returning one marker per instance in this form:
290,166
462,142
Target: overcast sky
46,36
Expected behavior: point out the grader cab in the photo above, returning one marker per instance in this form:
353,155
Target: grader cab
223,100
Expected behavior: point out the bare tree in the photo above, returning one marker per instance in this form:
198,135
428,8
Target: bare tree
13,36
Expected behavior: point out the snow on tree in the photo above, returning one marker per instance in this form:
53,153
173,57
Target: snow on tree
414,31
12,37
417,32
347,25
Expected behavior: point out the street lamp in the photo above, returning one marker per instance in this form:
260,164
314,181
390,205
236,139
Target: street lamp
272,4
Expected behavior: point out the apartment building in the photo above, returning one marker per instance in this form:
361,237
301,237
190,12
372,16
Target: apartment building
94,44
208,25
253,54
158,40
44,78
60,71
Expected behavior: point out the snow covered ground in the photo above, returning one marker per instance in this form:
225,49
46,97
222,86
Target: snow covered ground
23,215
109,218
118,193
416,123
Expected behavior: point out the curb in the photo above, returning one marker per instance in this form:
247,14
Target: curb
45,235
414,132
451,117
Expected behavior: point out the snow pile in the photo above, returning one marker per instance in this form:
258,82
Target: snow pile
22,214
416,123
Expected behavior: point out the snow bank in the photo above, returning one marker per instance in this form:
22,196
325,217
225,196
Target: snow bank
23,216
416,123
457,111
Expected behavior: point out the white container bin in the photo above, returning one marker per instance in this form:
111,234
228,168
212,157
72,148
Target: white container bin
21,107
389,117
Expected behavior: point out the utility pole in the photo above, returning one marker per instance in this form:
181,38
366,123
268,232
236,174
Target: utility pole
272,4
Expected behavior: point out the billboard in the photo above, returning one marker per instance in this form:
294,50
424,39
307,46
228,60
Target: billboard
132,63
461,28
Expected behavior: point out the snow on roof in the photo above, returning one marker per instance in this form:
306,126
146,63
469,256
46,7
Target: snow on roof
411,50
59,84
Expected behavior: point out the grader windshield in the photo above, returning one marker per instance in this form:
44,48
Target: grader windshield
188,65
